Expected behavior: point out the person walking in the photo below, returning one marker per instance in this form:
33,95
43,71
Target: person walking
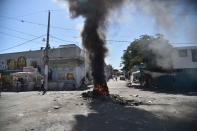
42,86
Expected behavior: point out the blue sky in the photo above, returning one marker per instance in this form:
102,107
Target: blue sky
125,26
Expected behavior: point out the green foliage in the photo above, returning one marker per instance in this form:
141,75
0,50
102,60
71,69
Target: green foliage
148,50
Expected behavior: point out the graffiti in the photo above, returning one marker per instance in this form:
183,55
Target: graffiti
70,76
12,64
21,62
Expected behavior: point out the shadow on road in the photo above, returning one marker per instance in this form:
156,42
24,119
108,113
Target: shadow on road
108,116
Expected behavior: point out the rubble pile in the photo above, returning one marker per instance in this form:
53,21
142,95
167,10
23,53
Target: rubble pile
113,98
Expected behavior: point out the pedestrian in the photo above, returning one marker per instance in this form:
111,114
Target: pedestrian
83,83
116,78
17,84
22,84
42,86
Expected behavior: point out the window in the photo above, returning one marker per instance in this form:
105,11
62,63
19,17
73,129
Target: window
194,55
183,53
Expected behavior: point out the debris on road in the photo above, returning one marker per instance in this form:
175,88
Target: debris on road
56,107
114,98
20,114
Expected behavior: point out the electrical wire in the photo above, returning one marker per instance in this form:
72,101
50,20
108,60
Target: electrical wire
63,39
34,23
7,28
119,41
33,13
10,35
21,44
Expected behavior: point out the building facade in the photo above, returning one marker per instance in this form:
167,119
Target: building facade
65,62
184,57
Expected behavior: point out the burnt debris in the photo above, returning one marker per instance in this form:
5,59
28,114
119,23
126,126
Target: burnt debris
112,98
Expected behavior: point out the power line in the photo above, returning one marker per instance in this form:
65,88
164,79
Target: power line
34,23
32,13
7,28
63,39
116,41
21,44
10,35
40,11
119,41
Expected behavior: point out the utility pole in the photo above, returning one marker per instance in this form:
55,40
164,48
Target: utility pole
46,57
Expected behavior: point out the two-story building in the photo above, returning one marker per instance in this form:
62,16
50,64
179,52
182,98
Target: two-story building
65,62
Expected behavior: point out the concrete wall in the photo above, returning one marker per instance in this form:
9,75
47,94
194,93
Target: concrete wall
63,60
183,62
3,64
67,51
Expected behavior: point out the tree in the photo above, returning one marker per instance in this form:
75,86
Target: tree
153,51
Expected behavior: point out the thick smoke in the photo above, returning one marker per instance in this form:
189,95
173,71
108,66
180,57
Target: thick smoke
93,34
96,14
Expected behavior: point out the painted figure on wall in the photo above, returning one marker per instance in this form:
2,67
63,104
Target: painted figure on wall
21,62
12,65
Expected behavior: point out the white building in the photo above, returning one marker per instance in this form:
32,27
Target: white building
184,57
65,62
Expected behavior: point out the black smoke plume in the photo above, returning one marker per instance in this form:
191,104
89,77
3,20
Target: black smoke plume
93,35
96,13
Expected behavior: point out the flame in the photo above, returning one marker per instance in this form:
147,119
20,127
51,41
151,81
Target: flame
101,89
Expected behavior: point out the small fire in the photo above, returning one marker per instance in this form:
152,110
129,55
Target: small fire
101,89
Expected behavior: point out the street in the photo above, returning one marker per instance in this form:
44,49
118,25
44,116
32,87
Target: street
68,111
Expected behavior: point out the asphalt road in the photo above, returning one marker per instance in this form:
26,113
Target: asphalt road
68,111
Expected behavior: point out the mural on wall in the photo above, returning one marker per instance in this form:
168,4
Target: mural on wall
21,62
12,64
70,76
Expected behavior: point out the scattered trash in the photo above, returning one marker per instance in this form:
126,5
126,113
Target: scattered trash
136,95
20,114
56,107
111,98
